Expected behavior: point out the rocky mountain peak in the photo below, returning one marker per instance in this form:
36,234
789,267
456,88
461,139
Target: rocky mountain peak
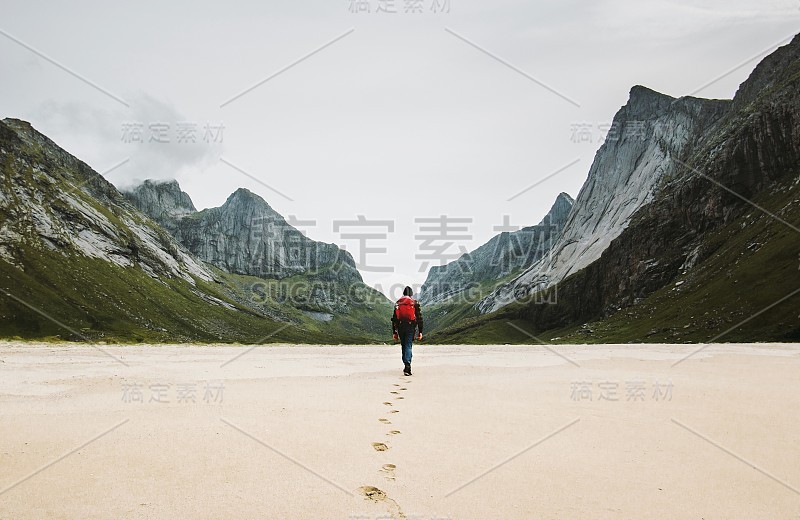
163,201
169,190
249,209
501,256
643,103
244,235
650,132
245,194
557,216
245,197
781,64
19,125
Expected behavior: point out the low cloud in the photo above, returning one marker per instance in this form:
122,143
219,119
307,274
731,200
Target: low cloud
159,141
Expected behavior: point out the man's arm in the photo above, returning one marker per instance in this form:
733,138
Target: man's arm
418,314
394,322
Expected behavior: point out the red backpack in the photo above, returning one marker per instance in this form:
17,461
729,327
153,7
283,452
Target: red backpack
404,309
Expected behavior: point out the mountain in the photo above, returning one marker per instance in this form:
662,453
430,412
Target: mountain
709,253
479,271
164,202
246,236
52,200
79,261
650,132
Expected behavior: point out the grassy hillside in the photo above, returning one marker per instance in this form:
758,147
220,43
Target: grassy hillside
98,300
361,313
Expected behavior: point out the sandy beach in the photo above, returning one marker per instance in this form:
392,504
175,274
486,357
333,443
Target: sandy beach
617,431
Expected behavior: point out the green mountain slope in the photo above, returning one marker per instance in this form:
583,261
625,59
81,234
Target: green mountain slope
79,262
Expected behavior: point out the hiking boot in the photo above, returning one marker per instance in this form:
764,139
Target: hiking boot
407,369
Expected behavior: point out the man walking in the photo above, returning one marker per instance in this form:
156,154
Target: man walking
406,318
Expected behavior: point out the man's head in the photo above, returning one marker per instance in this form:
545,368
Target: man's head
407,291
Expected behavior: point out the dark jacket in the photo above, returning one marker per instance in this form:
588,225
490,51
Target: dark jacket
396,324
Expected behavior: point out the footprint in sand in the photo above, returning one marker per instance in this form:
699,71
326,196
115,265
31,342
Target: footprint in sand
385,421
387,403
379,446
404,388
376,495
400,397
394,392
373,493
393,432
394,411
395,384
388,469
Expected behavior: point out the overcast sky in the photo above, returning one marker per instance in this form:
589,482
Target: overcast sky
330,114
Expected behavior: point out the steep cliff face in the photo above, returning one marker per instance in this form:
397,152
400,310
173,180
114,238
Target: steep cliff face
243,236
648,134
751,153
716,247
501,256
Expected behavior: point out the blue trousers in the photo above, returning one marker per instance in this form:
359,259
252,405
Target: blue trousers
406,335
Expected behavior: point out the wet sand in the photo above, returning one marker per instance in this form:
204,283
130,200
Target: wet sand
617,431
